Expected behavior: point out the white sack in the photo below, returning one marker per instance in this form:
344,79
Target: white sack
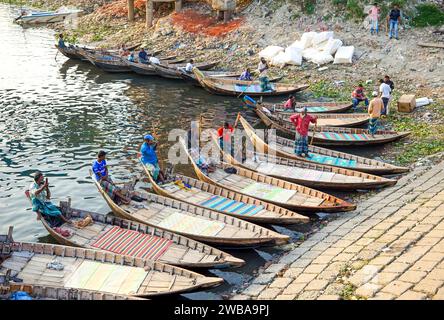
297,44
321,37
422,102
309,53
293,56
321,46
279,60
332,46
269,52
322,58
344,55
306,39
154,60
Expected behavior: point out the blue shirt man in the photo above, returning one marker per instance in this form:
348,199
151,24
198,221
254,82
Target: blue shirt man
143,56
149,158
61,41
99,168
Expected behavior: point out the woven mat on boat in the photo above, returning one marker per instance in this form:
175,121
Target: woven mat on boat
231,206
345,136
253,88
180,222
316,109
268,192
129,242
332,160
107,277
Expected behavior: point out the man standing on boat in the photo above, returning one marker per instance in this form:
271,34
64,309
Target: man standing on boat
374,111
224,134
61,43
149,158
357,96
100,169
290,104
143,56
302,124
263,75
40,198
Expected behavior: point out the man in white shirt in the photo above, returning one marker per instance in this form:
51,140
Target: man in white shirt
189,67
384,91
263,75
154,60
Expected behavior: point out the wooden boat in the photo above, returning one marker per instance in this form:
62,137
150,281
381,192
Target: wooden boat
312,106
173,71
324,119
193,221
306,173
223,200
154,243
334,136
191,78
48,292
35,17
96,270
238,87
285,148
70,52
282,193
106,62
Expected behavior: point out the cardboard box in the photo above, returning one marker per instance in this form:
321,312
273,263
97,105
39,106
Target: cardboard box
407,103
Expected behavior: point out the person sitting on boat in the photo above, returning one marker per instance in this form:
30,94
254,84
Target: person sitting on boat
100,169
290,103
61,43
302,124
123,51
263,75
189,67
224,134
41,201
374,111
246,75
357,96
143,56
149,158
131,57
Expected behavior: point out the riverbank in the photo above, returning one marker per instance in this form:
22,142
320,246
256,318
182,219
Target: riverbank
415,70
392,247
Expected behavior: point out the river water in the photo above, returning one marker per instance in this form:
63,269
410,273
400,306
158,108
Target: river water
55,114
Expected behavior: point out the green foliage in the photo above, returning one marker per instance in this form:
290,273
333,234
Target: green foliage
325,89
309,6
420,149
428,15
354,9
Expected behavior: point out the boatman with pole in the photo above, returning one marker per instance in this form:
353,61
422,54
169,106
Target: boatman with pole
302,124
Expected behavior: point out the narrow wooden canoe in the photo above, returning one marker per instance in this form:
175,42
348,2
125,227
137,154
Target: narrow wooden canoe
226,201
173,71
193,221
285,148
282,193
155,243
324,119
238,87
191,78
70,52
334,136
97,270
50,292
106,62
312,107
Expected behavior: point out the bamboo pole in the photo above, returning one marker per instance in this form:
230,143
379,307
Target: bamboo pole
131,10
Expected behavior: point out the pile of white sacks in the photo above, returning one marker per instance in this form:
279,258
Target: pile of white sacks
317,47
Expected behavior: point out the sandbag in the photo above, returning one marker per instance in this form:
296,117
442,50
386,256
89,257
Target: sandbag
332,46
297,44
423,101
279,60
293,56
269,52
309,53
306,39
154,60
344,55
322,58
321,37
321,46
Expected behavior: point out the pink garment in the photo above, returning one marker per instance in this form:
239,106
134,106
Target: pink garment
288,104
302,123
374,13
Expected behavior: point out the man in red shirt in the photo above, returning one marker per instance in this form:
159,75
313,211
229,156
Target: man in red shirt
302,123
224,133
357,96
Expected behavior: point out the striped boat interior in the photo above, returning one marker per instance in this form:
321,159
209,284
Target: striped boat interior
231,206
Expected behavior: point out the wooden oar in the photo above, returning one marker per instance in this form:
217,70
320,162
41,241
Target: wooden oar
246,86
314,132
